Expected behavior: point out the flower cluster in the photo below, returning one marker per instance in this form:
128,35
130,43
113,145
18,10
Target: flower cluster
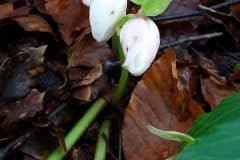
139,36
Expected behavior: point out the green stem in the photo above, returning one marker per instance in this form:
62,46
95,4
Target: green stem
121,86
124,73
79,128
101,148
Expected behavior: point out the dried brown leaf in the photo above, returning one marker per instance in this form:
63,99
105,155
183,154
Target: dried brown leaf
21,110
16,80
214,92
33,23
161,100
182,6
71,16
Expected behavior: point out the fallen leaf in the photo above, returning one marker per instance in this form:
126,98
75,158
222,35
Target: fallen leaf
16,82
18,111
182,6
44,141
214,93
82,93
71,17
87,52
33,23
161,100
86,59
8,11
172,31
81,76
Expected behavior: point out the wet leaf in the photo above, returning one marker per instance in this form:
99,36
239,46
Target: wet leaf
159,99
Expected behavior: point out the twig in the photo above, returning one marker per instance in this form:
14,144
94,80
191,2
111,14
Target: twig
211,10
195,13
191,39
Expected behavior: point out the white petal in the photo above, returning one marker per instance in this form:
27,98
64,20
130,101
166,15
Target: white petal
140,39
104,14
86,2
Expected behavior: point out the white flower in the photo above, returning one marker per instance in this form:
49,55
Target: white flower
140,40
86,2
104,14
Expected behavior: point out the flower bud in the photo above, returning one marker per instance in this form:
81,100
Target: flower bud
140,40
104,14
86,2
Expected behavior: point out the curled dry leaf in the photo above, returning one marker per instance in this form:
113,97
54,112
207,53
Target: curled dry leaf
161,100
71,17
33,23
82,93
86,59
214,92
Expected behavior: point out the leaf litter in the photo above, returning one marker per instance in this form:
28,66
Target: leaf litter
52,70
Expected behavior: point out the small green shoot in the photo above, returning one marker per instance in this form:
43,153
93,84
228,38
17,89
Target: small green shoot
171,135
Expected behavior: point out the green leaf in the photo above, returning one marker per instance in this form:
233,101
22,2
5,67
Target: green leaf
237,67
138,2
216,134
171,135
154,7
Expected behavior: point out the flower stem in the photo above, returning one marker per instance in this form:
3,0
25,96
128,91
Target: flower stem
101,148
79,128
121,86
124,73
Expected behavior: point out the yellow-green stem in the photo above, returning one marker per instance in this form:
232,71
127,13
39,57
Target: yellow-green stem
79,128
101,147
124,73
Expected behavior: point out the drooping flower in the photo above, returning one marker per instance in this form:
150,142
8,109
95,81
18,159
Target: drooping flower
104,14
86,2
140,40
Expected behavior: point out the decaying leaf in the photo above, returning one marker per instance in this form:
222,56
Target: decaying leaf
161,100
